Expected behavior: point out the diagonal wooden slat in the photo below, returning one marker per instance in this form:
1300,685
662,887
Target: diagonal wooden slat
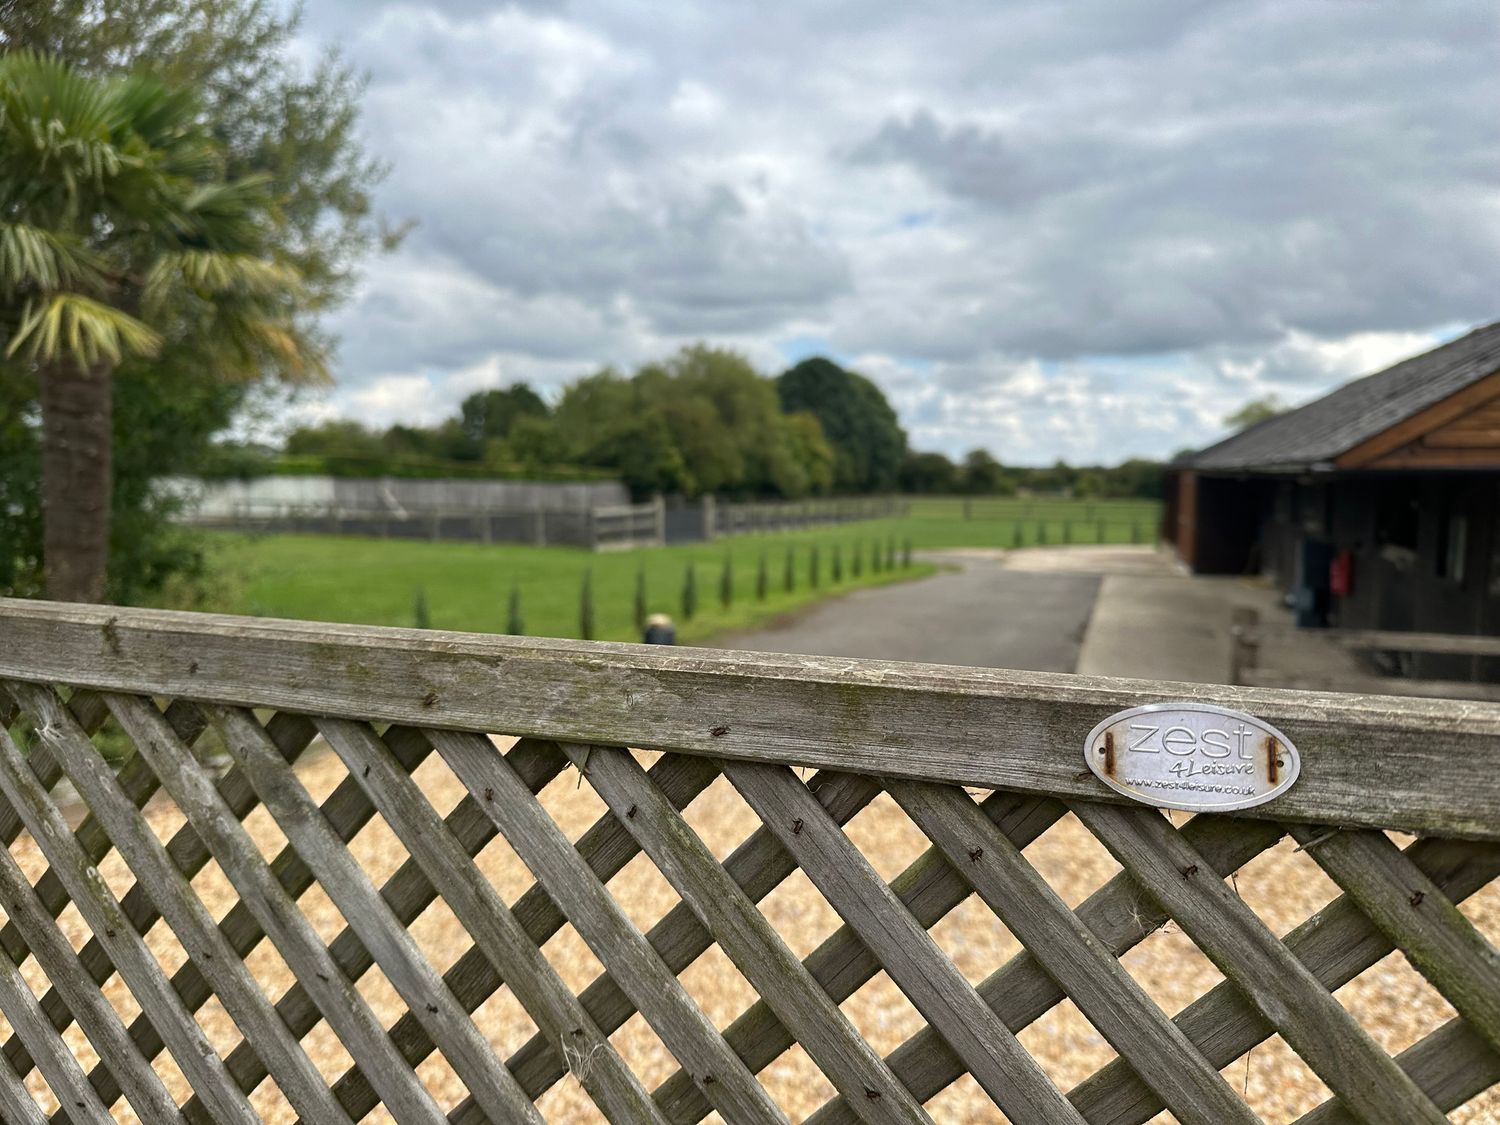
16,1102
205,943
54,1060
1120,914
143,1089
140,783
347,810
604,926
495,931
743,933
1336,944
606,848
291,734
126,948
394,949
929,888
1452,1065
999,1063
1312,1022
87,710
1067,949
276,911
758,866
1412,911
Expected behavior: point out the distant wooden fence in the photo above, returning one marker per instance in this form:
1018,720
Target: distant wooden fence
267,689
598,527
742,517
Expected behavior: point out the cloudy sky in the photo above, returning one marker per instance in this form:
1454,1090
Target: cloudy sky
1084,229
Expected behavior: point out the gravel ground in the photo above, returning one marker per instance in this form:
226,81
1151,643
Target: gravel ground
1391,1000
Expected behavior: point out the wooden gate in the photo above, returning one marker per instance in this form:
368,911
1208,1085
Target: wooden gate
135,708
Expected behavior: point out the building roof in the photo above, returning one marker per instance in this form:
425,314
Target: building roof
1325,428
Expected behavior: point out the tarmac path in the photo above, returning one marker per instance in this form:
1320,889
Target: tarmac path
975,612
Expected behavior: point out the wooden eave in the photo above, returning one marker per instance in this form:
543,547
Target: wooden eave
1461,431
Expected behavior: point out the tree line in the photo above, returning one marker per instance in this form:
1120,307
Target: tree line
702,421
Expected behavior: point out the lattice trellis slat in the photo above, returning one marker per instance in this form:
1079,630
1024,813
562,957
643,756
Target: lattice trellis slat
498,721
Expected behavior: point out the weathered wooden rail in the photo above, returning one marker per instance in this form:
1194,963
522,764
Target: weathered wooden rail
386,701
1248,634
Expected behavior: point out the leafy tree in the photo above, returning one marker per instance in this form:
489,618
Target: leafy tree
810,452
336,437
1254,412
273,119
531,440
858,422
927,473
982,474
444,442
700,421
493,413
120,229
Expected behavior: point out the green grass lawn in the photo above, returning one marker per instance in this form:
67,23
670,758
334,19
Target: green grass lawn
467,586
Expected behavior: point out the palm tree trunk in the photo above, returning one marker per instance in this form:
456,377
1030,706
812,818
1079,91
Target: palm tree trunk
77,478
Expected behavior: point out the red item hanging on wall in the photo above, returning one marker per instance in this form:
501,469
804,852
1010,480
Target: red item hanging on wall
1341,574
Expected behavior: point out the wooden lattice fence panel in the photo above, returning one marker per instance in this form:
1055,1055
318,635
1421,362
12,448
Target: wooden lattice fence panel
143,754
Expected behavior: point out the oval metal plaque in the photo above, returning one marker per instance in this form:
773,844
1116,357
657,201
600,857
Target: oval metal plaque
1192,756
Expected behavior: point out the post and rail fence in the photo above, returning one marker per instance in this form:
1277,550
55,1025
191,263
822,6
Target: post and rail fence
982,762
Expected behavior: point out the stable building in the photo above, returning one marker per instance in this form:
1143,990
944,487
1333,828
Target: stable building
1374,507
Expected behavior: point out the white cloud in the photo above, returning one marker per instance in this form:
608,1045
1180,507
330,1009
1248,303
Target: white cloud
1060,230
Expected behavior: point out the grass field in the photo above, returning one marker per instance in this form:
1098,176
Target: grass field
468,586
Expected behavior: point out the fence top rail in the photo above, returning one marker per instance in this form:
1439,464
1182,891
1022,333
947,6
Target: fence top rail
1454,644
1419,765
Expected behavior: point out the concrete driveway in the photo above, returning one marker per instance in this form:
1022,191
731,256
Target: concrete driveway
976,612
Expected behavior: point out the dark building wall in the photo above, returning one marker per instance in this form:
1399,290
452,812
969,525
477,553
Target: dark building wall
1426,554
1219,522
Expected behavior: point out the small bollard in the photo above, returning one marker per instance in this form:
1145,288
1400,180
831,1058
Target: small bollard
659,630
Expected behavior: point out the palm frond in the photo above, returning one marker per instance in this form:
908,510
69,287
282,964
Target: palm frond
58,118
44,259
80,328
254,346
210,274
230,216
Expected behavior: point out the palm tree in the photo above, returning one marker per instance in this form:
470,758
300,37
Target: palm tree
118,231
